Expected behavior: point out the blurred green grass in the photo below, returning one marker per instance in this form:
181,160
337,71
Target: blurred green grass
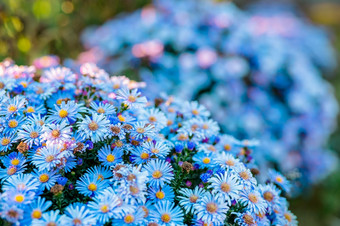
32,28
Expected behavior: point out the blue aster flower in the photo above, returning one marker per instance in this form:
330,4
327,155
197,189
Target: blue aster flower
6,141
118,130
167,213
159,149
104,206
56,133
49,218
140,155
253,201
143,130
30,134
78,214
278,179
211,209
90,185
246,219
110,157
12,212
67,112
14,159
160,172
101,172
47,157
102,108
132,99
161,194
204,160
226,186
13,124
132,217
13,106
46,178
21,182
36,209
189,197
95,128
155,117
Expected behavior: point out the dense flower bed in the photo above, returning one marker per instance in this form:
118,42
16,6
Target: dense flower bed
89,149
258,72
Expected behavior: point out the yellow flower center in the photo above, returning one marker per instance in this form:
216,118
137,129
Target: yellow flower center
58,102
211,207
134,190
140,130
119,143
34,134
36,214
5,141
15,162
11,171
152,118
157,174
268,196
144,155
244,175
116,86
206,160
92,187
225,187
195,112
227,147
19,198
205,126
110,158
182,137
51,224
43,178
77,221
55,133
12,108
49,158
101,110
288,217
12,123
30,110
155,150
132,99
104,208
63,113
253,198
24,84
193,198
279,179
248,219
165,218
121,118
160,195
93,126
129,219
230,162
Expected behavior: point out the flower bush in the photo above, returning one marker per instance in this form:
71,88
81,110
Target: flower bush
258,72
89,149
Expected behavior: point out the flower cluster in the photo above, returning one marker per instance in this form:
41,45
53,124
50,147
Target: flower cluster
259,72
89,149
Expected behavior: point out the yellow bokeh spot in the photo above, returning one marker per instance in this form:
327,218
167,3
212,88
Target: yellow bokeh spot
42,8
24,44
67,7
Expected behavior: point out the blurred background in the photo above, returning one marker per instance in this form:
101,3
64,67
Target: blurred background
33,28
